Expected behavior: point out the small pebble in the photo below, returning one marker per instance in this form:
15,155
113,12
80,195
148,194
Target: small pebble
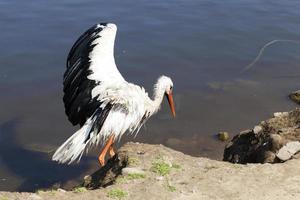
159,178
87,179
61,190
295,96
223,136
140,152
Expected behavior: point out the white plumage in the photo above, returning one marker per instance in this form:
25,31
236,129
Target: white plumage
98,98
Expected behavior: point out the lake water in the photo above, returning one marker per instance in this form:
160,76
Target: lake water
202,44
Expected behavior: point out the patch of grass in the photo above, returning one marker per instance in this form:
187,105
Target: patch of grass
176,166
171,188
136,176
132,161
121,180
117,193
129,177
51,191
79,189
4,198
210,167
160,167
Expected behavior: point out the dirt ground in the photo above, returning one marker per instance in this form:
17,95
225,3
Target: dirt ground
158,172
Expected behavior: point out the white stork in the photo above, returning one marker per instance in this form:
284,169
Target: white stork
100,100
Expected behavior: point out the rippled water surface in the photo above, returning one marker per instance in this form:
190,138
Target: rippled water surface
203,45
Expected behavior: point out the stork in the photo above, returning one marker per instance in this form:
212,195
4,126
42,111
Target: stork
100,100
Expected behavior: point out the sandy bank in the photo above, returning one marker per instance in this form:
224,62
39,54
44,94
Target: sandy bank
158,172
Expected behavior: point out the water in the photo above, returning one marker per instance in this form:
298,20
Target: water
203,45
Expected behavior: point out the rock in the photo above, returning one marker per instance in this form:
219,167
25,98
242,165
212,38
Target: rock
61,190
87,178
280,114
132,170
271,141
223,136
246,147
269,157
287,151
277,141
295,96
257,129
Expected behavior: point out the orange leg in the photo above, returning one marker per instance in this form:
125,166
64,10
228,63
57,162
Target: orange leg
107,147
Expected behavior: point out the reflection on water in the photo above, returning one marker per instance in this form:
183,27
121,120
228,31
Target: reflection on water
33,168
202,45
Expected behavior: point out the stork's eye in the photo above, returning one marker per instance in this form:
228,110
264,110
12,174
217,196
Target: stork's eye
171,87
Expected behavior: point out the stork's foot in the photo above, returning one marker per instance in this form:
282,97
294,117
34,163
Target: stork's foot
108,146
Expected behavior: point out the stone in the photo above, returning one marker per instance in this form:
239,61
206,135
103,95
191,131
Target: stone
159,178
295,96
269,157
257,129
287,151
61,190
271,141
132,170
280,114
223,136
277,141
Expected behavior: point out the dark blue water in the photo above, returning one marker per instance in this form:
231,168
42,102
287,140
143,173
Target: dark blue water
202,45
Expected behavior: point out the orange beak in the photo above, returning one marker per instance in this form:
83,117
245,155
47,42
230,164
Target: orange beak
171,103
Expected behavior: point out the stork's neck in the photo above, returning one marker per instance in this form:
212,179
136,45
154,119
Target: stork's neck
158,95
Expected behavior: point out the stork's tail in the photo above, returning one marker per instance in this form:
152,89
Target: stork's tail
74,147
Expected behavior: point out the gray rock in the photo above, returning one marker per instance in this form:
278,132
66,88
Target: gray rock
287,151
271,141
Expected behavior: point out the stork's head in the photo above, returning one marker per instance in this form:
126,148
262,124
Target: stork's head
166,84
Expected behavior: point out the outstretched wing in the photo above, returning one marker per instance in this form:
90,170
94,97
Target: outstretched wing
90,64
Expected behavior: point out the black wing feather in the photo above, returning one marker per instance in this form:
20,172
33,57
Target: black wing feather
78,101
100,115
